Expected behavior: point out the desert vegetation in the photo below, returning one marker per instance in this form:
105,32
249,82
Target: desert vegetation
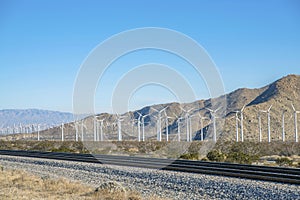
17,184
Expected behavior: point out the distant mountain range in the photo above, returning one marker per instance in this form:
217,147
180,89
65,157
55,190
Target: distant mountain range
281,94
11,117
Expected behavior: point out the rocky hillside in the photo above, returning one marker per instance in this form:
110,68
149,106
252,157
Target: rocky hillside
280,94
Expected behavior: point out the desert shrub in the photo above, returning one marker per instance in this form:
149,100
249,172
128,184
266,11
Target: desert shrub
190,156
284,162
216,155
204,159
242,158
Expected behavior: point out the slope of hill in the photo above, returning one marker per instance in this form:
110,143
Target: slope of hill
281,94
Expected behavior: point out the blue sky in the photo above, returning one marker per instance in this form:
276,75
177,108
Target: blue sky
43,43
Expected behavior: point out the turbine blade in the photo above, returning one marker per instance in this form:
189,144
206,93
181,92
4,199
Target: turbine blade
243,108
270,108
293,107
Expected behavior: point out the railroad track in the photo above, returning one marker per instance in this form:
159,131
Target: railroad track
275,174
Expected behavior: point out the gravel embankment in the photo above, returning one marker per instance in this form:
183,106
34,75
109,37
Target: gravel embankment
174,185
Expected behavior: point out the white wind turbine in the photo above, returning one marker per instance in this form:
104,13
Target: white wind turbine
167,124
76,130
179,119
187,119
242,123
159,121
95,127
237,125
74,125
201,118
259,127
178,127
119,123
101,130
213,114
38,132
139,126
295,122
143,125
269,122
283,125
62,131
191,127
82,129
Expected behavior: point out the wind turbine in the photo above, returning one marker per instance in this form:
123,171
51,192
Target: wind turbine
38,132
95,127
167,124
295,122
237,125
74,125
143,125
213,114
242,123
186,117
62,131
178,127
269,122
76,130
191,127
119,120
82,130
259,126
139,126
101,130
157,127
159,120
283,126
202,126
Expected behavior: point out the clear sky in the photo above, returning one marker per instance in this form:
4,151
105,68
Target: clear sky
43,43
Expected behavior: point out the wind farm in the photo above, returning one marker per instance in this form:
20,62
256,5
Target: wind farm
196,121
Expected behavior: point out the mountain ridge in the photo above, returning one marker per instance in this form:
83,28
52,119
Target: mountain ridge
280,93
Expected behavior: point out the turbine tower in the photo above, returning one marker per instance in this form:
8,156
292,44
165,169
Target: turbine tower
202,126
295,122
95,127
178,127
159,121
76,130
167,124
242,123
259,127
186,117
139,126
38,132
269,122
237,125
143,124
213,114
119,123
82,129
101,130
283,126
62,131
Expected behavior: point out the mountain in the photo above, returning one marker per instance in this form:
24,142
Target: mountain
281,94
11,117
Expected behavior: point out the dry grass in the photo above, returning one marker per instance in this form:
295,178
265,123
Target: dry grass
16,184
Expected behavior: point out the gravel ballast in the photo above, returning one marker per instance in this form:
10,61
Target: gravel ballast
174,185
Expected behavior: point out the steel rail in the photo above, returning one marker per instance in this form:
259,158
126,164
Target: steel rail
264,173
